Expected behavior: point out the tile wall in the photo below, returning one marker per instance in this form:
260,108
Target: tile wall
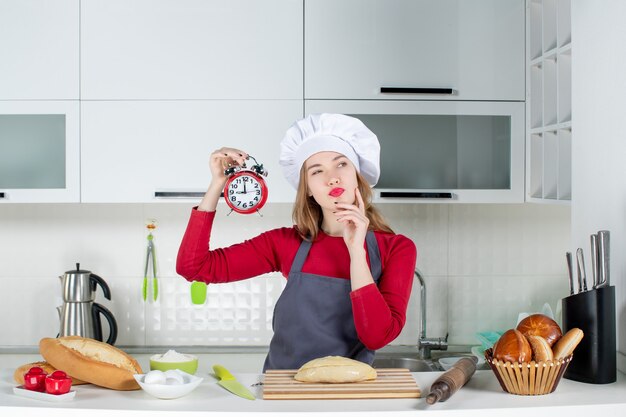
482,263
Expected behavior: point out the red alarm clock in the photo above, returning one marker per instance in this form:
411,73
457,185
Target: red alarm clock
246,191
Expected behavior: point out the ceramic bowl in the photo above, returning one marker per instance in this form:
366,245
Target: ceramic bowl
189,367
169,392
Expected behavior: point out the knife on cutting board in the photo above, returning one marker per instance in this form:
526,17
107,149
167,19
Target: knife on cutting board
228,381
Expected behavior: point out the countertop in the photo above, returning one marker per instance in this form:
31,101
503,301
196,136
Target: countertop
482,396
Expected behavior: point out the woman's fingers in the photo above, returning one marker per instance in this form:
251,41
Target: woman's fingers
228,157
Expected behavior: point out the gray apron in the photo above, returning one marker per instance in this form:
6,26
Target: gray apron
313,316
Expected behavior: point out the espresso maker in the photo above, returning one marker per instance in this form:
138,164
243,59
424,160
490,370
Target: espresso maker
79,314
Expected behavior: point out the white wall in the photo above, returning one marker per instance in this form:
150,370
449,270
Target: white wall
599,138
483,264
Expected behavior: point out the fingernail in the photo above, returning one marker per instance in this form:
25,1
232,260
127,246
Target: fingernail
334,202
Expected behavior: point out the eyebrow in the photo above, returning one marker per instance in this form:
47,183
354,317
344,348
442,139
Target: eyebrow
319,165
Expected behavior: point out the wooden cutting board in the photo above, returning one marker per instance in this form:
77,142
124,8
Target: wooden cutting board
390,383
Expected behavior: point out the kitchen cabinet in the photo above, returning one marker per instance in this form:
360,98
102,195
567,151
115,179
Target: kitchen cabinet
136,151
549,101
443,151
39,151
192,49
39,49
353,48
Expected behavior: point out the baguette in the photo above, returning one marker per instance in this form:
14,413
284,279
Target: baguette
566,344
541,349
19,373
92,361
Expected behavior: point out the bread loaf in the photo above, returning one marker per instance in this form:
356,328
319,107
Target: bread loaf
335,369
92,361
540,325
512,347
18,375
541,349
566,345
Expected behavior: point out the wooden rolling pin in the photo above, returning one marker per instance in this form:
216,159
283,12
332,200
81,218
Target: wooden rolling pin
453,379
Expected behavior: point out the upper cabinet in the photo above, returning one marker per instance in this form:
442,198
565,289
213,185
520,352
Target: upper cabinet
39,50
549,101
193,49
464,50
39,151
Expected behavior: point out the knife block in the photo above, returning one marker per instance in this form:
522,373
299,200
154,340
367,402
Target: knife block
595,358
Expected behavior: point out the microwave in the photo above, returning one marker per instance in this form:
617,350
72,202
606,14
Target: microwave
443,151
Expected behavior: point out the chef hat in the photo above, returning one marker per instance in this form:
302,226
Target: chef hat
330,132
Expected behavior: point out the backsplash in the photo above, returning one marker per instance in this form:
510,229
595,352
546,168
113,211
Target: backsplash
483,264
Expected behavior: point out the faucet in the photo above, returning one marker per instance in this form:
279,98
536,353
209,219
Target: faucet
424,344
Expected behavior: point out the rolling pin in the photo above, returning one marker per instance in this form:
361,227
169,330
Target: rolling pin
453,379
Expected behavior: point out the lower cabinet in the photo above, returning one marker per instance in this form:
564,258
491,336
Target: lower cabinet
154,151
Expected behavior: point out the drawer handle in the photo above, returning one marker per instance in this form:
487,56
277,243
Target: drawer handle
2,195
179,194
413,194
408,90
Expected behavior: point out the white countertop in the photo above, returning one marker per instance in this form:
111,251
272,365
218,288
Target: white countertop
482,396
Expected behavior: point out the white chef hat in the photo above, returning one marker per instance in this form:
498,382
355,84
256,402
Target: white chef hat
330,132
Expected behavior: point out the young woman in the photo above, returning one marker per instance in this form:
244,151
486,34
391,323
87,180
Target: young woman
349,276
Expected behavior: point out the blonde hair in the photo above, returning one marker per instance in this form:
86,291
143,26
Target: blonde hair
307,214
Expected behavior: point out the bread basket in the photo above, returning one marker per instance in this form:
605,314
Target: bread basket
528,378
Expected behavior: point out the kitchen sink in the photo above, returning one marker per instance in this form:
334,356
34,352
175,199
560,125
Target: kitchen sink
412,364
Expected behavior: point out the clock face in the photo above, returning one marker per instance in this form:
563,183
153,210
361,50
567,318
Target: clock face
245,192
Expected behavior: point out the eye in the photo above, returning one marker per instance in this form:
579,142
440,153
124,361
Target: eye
316,171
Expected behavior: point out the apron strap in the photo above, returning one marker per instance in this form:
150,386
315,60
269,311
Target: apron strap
372,251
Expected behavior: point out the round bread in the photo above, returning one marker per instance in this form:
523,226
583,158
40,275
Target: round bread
566,345
540,325
541,349
512,347
92,361
18,375
335,369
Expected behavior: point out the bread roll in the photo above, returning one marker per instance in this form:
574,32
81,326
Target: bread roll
540,325
92,361
512,347
541,349
18,375
335,369
566,345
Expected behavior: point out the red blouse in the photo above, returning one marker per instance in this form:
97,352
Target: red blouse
379,311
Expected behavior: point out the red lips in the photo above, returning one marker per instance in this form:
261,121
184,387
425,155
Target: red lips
336,192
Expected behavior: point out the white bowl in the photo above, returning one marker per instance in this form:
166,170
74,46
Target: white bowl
446,363
169,392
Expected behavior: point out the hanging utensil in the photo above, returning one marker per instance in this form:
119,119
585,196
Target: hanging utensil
150,260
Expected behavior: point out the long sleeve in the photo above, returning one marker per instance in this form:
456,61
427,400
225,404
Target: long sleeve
380,311
196,262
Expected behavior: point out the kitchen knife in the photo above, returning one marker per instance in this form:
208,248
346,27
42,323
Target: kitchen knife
568,258
604,258
582,276
228,381
594,260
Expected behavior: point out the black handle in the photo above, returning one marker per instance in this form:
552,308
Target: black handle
409,90
95,281
1,195
178,194
98,310
413,194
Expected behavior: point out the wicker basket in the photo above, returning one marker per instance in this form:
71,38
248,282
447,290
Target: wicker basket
528,378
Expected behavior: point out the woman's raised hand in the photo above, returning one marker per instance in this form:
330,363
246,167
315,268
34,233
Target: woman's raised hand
356,222
224,158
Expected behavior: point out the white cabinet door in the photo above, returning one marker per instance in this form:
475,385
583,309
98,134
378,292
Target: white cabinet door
39,49
353,48
134,149
39,151
191,49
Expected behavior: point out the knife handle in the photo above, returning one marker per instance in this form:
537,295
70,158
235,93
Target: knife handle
594,260
222,373
604,258
570,271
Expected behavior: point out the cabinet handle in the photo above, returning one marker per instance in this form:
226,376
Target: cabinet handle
2,195
180,194
413,194
408,90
